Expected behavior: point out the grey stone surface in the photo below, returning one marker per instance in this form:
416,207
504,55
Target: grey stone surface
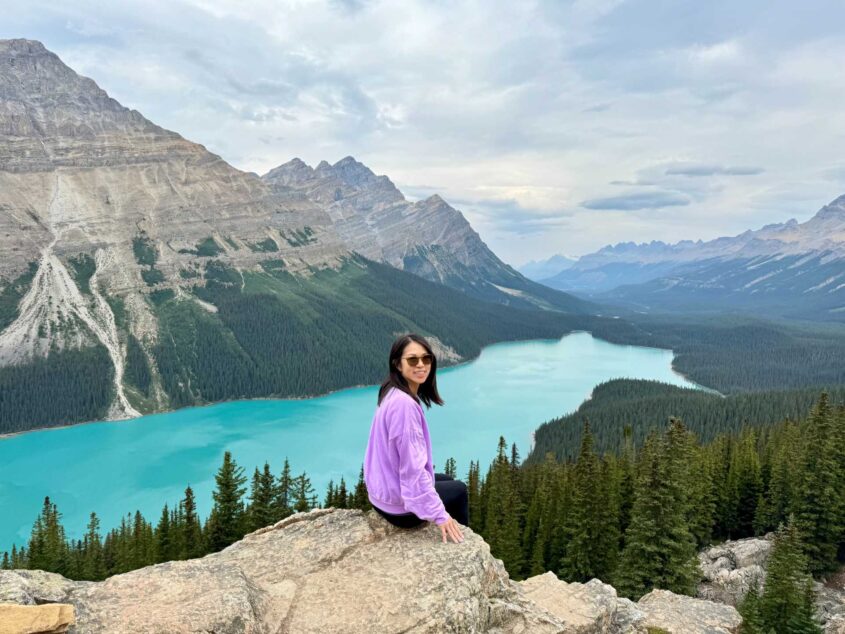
678,614
730,569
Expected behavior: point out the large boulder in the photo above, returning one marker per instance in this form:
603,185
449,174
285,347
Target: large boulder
53,618
584,607
830,604
678,614
324,571
729,570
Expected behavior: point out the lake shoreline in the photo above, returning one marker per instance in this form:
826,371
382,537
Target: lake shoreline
7,435
508,390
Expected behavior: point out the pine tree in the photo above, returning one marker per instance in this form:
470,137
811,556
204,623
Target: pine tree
473,493
360,499
627,468
192,538
48,548
261,499
591,546
164,551
780,496
539,519
331,496
502,523
745,485
94,568
819,506
342,495
283,495
749,610
303,496
659,549
787,601
226,520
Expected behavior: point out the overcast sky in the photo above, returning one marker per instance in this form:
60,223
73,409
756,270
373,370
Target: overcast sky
556,127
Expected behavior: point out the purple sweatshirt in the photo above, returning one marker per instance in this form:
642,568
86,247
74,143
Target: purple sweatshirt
398,469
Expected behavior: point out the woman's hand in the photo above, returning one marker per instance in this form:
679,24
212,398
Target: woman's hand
451,529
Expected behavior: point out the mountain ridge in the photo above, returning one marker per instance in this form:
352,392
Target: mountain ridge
790,269
134,258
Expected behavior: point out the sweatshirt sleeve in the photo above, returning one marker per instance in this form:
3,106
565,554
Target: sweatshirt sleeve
415,484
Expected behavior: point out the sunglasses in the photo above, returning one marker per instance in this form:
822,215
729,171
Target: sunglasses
413,361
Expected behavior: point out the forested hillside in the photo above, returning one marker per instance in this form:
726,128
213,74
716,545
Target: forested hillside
733,354
268,333
623,410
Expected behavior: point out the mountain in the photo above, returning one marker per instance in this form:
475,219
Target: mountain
544,269
140,272
428,238
788,269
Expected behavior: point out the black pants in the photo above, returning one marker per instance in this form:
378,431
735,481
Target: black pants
452,492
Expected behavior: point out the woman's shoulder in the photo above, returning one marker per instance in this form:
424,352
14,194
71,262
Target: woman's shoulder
397,399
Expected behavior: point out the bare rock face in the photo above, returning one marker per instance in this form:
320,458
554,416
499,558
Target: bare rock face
731,569
324,571
54,618
678,614
830,603
584,607
373,218
345,571
428,237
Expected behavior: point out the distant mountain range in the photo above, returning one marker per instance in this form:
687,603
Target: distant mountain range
140,272
544,269
790,269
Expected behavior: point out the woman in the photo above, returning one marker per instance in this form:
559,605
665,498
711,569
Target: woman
398,469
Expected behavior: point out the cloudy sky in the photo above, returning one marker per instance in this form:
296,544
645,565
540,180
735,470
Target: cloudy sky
556,127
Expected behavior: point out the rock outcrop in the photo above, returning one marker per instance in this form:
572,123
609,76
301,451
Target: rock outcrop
53,618
730,569
677,613
346,571
584,607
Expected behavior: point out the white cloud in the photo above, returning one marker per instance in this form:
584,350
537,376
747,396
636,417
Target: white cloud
521,111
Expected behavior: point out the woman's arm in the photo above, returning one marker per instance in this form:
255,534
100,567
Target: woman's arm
415,484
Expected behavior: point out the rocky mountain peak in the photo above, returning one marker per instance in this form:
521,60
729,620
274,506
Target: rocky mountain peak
38,89
835,209
20,45
295,171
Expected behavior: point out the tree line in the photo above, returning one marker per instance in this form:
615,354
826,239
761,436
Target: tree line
180,533
620,403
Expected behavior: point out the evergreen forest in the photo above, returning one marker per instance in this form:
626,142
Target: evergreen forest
621,405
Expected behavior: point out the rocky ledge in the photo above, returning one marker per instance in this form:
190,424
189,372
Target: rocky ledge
346,571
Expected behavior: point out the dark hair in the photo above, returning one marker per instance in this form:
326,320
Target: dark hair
427,392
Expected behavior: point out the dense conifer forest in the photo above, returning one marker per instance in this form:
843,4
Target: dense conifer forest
619,405
68,386
734,353
634,518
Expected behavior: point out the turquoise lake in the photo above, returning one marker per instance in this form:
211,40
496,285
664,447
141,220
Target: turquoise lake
117,467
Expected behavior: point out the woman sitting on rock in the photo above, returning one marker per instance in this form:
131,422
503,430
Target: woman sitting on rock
398,469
